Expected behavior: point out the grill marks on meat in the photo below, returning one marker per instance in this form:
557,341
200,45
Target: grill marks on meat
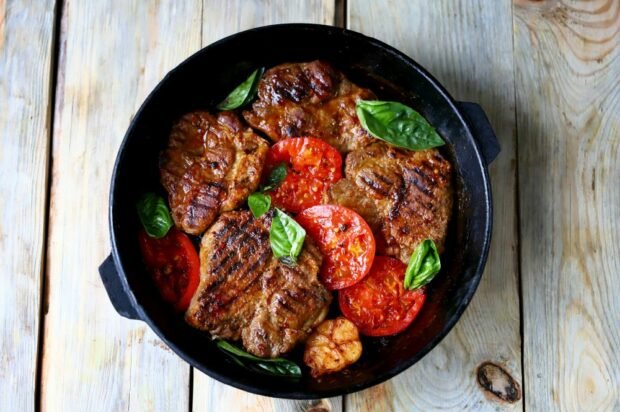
212,163
292,303
246,293
309,99
405,196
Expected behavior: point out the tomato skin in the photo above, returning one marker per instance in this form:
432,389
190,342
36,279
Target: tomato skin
346,241
173,264
380,305
312,167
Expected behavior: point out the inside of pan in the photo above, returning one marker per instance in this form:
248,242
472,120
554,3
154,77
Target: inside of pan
204,80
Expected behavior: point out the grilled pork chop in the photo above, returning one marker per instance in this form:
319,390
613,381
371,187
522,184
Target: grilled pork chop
246,293
212,163
405,196
309,99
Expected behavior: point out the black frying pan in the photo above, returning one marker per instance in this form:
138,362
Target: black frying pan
203,80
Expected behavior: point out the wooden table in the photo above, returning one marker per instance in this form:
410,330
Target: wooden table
547,72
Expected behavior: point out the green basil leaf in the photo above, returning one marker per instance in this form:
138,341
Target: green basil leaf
397,124
270,366
244,93
154,215
423,265
282,368
286,237
235,350
259,203
277,175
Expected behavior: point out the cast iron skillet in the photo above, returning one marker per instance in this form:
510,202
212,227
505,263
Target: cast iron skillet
203,80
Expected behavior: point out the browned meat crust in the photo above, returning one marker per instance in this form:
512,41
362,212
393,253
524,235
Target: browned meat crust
309,99
246,293
212,163
405,196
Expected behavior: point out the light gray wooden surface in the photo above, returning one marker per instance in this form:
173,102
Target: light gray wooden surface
568,118
546,72
26,31
112,54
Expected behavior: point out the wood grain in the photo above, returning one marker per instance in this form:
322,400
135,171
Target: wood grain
567,58
566,72
26,31
467,45
112,55
222,18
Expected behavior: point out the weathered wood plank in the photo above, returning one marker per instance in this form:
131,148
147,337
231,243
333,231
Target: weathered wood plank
112,55
26,31
222,18
467,45
567,56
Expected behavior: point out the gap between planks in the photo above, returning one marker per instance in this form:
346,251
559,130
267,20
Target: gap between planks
43,300
518,215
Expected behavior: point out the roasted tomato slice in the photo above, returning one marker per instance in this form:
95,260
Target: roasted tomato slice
173,264
380,305
345,240
312,167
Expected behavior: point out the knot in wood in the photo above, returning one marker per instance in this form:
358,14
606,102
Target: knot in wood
496,381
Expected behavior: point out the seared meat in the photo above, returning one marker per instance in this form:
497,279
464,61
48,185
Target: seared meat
246,293
405,196
309,99
212,163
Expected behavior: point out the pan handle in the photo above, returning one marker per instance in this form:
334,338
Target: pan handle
116,292
482,130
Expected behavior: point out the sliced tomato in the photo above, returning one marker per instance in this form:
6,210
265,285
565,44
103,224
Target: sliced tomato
173,264
346,241
380,305
312,167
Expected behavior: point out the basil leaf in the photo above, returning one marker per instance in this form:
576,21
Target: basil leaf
154,215
286,237
259,203
235,350
397,124
270,366
244,93
423,265
286,368
277,175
